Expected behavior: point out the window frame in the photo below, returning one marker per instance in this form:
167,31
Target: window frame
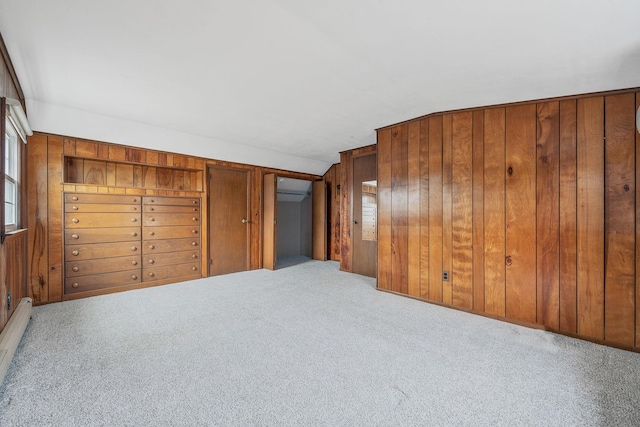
11,111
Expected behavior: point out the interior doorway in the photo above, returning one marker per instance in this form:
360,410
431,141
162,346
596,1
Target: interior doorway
364,239
294,221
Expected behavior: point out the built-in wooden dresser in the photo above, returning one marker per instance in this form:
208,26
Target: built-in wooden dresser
171,238
114,241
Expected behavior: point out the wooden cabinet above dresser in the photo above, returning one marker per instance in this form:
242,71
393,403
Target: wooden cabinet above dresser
121,241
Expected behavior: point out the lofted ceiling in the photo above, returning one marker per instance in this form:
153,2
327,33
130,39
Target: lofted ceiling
289,83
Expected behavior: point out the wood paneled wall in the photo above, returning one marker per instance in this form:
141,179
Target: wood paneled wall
58,164
346,204
13,252
332,179
532,210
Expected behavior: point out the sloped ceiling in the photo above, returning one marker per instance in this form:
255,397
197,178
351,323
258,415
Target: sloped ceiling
290,83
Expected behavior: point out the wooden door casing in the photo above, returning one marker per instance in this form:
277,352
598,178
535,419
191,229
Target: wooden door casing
270,215
319,220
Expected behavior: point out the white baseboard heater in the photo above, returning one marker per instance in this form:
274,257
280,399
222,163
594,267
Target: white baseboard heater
12,334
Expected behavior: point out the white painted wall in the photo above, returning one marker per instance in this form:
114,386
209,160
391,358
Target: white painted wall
294,228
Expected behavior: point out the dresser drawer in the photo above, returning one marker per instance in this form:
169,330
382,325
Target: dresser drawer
74,285
169,208
171,232
191,270
170,258
100,207
101,265
101,250
169,245
95,220
159,219
174,201
100,198
103,235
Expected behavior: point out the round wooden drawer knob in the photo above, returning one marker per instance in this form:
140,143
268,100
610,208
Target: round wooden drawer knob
194,243
75,236
194,268
194,231
151,261
134,262
75,220
195,209
152,247
75,253
151,274
74,198
153,233
76,269
134,234
134,219
75,208
152,201
194,218
152,209
134,248
135,200
151,218
194,256
74,285
195,202
135,209
134,277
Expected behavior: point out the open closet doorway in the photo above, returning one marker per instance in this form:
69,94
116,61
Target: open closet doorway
294,221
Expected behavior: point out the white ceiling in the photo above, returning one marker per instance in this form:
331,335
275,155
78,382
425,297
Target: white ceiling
290,83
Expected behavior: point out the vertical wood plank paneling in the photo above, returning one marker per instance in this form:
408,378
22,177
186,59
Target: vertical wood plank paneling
178,179
462,213
69,146
86,149
103,151
399,209
54,215
117,153
95,172
447,237
590,216
478,210
152,158
548,214
494,210
435,208
134,155
637,226
384,209
424,208
124,175
345,184
620,221
521,212
38,259
413,206
568,209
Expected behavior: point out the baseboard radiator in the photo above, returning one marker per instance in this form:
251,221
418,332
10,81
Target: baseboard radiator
12,334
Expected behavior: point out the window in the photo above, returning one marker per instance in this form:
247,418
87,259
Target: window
14,129
11,177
